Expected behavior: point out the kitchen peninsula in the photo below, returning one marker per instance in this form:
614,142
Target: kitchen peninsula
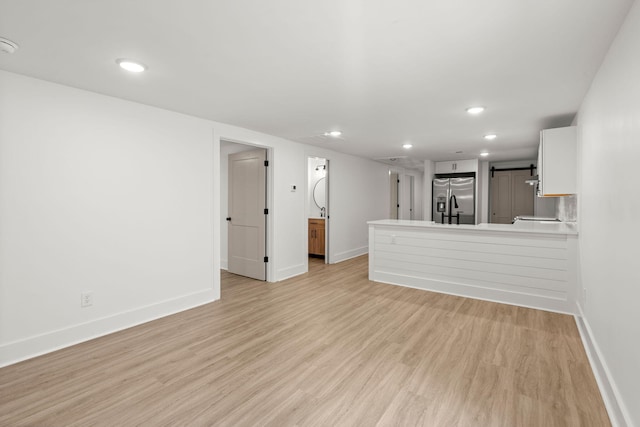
530,264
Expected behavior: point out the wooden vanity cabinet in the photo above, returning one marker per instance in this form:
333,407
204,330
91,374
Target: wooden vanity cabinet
316,236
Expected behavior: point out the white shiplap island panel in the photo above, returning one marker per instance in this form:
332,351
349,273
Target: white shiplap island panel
527,264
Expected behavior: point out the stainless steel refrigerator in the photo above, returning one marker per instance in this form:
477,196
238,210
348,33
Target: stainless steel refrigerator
454,200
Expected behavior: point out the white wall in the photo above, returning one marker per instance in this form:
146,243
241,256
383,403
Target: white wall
566,208
427,190
124,200
418,182
101,195
357,195
608,206
548,207
358,192
483,192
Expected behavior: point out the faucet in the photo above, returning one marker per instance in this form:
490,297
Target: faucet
322,211
455,201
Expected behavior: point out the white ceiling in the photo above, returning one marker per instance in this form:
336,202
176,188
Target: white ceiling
383,72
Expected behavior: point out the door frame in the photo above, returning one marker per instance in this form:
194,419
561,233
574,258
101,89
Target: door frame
406,196
398,194
269,229
327,219
409,194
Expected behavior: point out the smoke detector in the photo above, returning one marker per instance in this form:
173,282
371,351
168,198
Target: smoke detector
7,46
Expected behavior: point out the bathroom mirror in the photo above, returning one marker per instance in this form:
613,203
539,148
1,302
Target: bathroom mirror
319,193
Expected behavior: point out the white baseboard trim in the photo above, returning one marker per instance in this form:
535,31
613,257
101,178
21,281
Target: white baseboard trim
17,351
224,264
618,413
475,292
289,272
352,253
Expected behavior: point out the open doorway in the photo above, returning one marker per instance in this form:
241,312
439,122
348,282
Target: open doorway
407,197
402,192
318,209
244,178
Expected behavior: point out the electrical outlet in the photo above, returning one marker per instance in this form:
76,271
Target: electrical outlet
86,299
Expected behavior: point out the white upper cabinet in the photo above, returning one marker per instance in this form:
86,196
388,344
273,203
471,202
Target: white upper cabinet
557,160
457,166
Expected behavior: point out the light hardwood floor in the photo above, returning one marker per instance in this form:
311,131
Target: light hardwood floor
329,348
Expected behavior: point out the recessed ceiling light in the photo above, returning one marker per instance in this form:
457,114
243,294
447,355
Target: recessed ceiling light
485,154
475,110
7,46
490,136
407,146
129,65
333,133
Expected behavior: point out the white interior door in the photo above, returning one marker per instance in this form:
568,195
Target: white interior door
246,220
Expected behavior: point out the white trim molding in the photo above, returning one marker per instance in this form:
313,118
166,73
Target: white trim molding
352,253
17,351
618,413
289,272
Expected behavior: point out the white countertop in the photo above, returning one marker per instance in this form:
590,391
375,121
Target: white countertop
537,227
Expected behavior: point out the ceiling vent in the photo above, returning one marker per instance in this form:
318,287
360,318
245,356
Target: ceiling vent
315,139
7,46
402,162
